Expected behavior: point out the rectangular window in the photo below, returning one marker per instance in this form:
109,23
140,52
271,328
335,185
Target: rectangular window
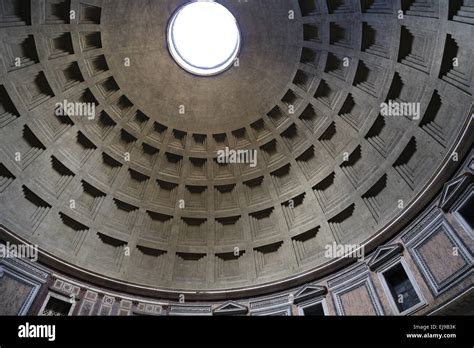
467,212
464,211
57,307
401,288
314,310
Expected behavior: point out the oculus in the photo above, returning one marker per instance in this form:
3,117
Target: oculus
204,38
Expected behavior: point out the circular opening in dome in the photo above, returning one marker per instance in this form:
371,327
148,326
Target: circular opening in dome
204,38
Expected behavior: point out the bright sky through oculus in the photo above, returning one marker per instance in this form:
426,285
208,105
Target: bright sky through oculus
204,38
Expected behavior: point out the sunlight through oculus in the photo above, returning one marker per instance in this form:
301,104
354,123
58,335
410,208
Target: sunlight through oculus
204,38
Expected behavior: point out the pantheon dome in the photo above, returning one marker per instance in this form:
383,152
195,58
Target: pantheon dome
284,157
